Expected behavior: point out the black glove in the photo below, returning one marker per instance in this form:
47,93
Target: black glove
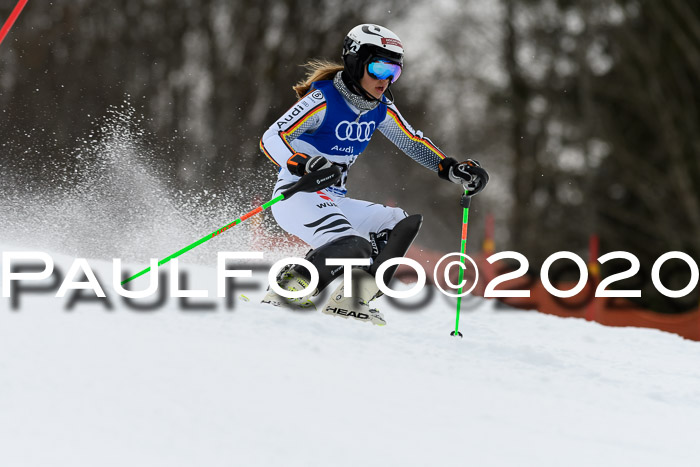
301,164
469,174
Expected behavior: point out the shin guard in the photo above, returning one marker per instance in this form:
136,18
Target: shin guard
346,247
397,243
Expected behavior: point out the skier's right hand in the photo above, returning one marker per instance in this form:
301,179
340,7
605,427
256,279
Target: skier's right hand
300,164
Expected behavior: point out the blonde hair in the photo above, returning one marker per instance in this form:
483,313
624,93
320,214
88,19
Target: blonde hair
318,70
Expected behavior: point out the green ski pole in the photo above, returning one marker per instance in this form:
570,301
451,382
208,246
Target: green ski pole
310,182
465,202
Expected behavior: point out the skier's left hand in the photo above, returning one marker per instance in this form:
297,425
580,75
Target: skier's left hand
469,174
300,164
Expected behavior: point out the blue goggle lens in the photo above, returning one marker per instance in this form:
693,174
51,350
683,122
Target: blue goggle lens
383,70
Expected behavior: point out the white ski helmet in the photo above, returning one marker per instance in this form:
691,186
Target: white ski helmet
368,42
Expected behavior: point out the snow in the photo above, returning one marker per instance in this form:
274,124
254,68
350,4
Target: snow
258,385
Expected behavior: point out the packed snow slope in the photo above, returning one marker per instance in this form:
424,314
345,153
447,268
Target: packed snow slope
260,386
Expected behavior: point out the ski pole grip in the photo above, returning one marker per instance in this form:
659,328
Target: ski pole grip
315,181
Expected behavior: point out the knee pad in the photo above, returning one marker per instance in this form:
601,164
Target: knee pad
345,247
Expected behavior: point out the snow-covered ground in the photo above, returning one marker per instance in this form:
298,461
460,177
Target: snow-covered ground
260,386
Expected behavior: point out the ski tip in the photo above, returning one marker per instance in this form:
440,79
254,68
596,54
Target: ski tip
456,334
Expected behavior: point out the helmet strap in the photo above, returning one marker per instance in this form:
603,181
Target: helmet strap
388,95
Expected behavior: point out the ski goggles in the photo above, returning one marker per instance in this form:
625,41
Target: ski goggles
381,69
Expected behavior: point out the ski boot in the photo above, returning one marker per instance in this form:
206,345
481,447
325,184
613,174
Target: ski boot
290,280
365,289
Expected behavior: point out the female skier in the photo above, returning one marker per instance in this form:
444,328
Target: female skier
338,111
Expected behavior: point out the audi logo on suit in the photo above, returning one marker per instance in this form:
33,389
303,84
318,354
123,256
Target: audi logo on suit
355,131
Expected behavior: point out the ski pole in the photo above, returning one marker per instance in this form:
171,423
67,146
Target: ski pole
310,182
464,202
11,19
